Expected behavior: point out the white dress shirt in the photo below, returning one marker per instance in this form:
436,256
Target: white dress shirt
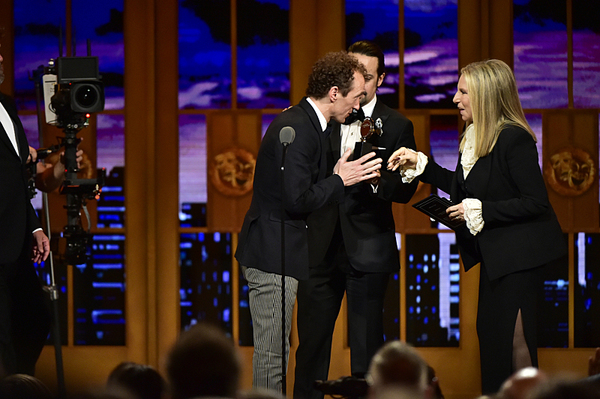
350,134
9,127
320,115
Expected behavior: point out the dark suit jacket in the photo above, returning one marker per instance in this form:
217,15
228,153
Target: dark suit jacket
366,218
17,216
306,189
521,230
23,303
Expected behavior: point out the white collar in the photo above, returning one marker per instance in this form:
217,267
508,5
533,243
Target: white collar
320,115
368,108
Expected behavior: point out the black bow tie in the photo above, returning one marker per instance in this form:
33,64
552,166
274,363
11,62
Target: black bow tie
355,116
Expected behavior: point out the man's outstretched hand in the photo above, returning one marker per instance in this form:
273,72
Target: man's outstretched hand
353,172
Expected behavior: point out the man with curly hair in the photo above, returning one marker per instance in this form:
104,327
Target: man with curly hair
335,87
352,243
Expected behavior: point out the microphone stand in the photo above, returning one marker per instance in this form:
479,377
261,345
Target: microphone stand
52,289
283,329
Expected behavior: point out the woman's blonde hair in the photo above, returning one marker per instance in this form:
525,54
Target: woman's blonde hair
494,101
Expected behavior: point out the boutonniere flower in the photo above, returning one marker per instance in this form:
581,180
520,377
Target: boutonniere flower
379,126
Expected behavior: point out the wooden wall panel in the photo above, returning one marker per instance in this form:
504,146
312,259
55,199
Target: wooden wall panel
140,183
469,32
229,132
164,279
500,19
316,28
570,132
8,46
585,129
559,125
485,31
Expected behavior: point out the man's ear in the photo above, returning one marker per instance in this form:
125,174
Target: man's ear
333,93
380,79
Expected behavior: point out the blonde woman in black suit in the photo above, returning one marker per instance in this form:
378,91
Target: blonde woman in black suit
511,228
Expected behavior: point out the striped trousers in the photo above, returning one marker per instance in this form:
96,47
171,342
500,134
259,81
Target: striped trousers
264,291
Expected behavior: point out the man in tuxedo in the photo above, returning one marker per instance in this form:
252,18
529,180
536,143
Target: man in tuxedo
24,318
335,88
352,243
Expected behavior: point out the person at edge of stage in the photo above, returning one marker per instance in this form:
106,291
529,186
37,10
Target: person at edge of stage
24,316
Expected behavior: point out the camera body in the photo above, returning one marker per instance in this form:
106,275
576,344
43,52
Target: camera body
72,90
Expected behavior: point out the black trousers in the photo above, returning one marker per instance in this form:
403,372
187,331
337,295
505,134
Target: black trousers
24,316
499,303
319,302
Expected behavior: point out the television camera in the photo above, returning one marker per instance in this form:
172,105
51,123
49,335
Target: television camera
73,90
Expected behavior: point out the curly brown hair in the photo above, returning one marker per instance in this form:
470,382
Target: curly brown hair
334,69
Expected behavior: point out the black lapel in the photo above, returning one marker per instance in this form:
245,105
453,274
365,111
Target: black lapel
335,141
379,112
479,176
314,119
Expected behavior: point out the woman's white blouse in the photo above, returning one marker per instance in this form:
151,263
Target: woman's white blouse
472,207
468,158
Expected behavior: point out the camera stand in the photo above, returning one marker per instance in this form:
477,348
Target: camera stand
75,97
52,290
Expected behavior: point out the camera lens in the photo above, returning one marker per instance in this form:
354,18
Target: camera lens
86,96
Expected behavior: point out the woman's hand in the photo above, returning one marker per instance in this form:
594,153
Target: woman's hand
456,212
402,157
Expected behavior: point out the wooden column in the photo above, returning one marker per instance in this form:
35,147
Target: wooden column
316,28
140,201
485,30
164,279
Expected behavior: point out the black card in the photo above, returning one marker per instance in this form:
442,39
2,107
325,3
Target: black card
435,207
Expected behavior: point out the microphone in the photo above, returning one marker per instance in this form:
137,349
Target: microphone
287,134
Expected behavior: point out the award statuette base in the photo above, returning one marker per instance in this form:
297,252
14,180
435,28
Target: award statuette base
361,148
